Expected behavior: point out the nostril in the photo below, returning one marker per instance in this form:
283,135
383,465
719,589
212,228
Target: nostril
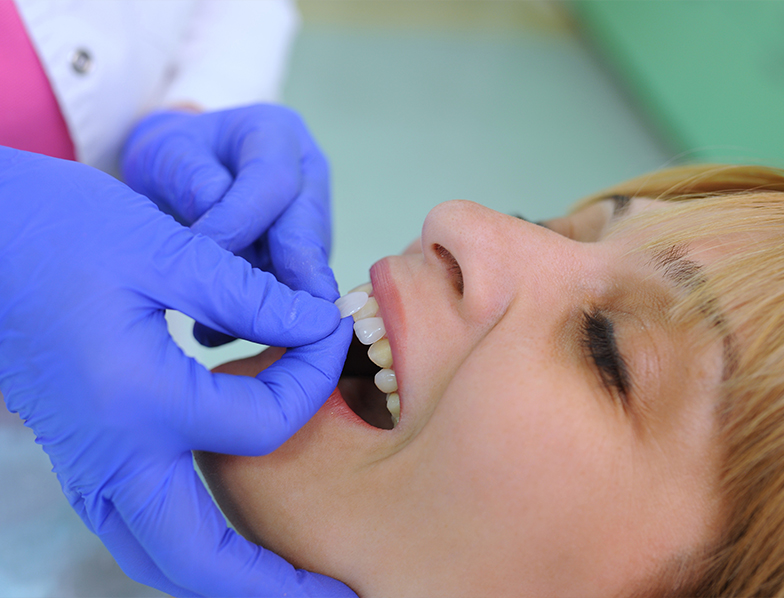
453,268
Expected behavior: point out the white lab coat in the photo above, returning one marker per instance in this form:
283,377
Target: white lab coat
112,61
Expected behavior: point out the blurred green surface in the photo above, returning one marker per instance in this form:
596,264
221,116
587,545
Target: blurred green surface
710,74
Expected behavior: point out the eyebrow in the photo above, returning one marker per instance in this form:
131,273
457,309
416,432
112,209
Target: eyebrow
672,263
621,204
679,270
689,276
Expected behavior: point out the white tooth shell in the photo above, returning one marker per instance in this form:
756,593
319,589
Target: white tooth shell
393,406
351,303
369,330
386,381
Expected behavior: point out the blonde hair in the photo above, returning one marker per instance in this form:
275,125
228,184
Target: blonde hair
739,210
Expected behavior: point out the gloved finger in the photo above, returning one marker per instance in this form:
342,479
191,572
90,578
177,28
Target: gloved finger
299,241
257,254
267,179
201,181
133,559
121,543
209,555
222,291
207,337
238,415
181,176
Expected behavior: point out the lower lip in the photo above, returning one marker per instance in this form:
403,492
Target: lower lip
337,407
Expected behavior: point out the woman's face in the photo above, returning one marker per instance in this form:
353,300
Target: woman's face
556,429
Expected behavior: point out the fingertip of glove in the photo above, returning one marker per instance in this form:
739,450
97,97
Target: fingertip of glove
330,313
315,315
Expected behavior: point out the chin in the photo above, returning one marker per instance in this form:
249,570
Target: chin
307,501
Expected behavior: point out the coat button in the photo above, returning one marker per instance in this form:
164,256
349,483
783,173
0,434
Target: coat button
81,61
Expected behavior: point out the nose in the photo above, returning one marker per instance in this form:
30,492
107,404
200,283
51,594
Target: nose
499,257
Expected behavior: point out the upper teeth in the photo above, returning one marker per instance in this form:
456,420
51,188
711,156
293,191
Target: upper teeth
380,353
370,330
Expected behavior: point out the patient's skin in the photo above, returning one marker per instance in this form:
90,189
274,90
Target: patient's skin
514,470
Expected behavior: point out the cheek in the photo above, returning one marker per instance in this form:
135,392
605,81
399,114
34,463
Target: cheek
524,436
535,469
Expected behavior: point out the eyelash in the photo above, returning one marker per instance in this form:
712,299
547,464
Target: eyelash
598,337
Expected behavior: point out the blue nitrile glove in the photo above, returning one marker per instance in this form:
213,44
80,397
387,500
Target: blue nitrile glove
87,267
252,179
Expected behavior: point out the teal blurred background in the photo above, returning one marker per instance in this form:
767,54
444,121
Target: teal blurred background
521,105
419,102
708,76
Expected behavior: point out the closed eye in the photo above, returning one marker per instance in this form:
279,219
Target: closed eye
599,340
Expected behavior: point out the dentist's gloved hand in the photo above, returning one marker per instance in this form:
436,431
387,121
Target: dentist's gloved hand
252,179
87,267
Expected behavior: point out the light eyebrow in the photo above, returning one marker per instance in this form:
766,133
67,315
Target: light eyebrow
689,276
679,270
620,207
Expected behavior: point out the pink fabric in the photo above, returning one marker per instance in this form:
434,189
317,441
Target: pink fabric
30,118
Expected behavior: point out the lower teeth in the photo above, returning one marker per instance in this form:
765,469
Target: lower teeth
386,381
393,406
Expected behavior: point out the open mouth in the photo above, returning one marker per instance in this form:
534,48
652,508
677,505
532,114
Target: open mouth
359,389
369,392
